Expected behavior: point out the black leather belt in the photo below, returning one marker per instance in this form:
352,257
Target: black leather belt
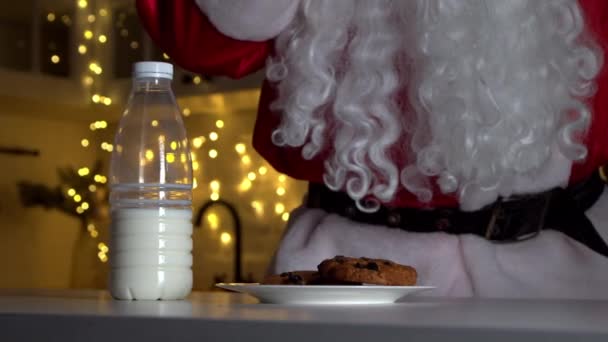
507,220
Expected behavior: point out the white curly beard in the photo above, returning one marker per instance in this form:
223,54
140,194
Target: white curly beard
469,94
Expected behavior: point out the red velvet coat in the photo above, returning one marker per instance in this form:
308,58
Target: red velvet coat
182,31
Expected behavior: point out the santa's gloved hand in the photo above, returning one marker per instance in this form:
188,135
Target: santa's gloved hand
254,20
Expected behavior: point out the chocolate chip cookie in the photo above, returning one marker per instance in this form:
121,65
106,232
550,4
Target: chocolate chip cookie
293,278
367,271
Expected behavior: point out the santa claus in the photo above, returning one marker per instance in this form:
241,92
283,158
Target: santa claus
463,137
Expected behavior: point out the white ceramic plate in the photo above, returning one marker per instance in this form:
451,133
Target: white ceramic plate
324,294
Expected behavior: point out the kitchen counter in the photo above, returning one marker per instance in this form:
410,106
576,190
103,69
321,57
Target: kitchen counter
70,315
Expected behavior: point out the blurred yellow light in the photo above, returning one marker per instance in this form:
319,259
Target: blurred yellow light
183,157
103,12
285,217
50,17
245,185
55,59
91,18
149,155
282,178
225,238
119,148
94,233
213,136
196,80
219,124
83,171
102,247
134,45
173,145
258,207
124,32
212,154
109,148
107,101
195,165
92,126
88,34
279,208
92,188
102,256
214,221
194,183
84,142
90,227
79,210
198,142
102,39
214,185
77,198
95,68
95,98
170,158
66,19
85,205
246,160
280,191
193,156
165,56
251,176
186,111
103,124
215,196
71,192
262,170
100,179
154,123
82,3
82,49
104,145
240,148
88,80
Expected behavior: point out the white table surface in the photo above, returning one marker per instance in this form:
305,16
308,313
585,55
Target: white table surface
64,315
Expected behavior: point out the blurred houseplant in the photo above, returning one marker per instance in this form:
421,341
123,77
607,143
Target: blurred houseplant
82,194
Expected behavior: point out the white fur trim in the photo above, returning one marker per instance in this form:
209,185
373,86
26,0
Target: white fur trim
551,265
254,20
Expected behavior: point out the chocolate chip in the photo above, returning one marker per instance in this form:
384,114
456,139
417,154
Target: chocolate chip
340,259
284,274
372,266
295,279
358,265
387,263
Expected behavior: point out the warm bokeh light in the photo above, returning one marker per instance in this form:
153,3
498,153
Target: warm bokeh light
245,185
225,238
213,220
279,208
240,148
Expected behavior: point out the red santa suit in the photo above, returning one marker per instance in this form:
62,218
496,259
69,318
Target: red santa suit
236,38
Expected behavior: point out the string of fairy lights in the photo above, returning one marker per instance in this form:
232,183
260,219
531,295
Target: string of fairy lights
92,40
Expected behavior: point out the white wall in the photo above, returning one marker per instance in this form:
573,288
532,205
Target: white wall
36,245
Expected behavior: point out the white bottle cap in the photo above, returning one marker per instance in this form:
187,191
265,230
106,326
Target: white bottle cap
153,69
